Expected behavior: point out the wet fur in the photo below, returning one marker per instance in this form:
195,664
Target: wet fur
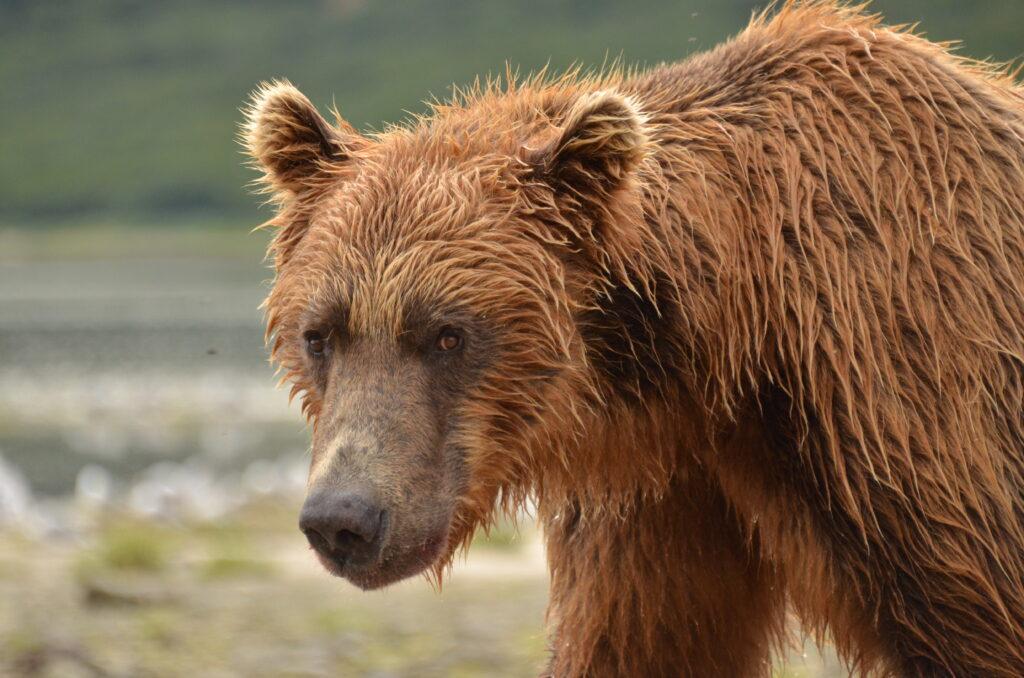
762,339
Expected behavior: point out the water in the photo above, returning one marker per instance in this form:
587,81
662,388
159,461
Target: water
122,365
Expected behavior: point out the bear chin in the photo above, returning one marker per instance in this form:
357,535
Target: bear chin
391,567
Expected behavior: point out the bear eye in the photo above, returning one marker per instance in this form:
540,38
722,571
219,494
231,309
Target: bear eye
315,343
448,339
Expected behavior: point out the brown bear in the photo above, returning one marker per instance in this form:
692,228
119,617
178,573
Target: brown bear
748,328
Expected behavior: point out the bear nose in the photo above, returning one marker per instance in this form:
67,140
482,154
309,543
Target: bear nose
343,525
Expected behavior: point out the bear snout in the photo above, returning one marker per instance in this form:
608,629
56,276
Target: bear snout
346,526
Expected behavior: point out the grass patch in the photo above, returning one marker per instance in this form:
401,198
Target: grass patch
23,641
230,554
161,627
133,549
129,547
336,621
230,566
503,536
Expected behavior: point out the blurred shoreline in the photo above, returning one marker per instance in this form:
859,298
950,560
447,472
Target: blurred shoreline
123,365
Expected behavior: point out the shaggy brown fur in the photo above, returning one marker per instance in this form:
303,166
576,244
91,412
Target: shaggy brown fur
754,337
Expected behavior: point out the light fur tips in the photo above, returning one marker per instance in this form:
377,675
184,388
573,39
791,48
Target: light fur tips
288,139
602,137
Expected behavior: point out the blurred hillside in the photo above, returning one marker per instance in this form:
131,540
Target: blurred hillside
124,111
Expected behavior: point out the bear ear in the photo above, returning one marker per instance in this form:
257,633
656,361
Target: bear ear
291,142
594,149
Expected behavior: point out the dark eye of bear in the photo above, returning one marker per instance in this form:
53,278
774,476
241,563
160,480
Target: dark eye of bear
448,339
315,344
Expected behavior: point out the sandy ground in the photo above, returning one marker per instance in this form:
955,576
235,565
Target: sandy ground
245,598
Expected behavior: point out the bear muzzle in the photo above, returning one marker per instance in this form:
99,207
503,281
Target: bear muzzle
347,527
355,535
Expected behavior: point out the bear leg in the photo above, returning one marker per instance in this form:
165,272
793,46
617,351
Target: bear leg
668,586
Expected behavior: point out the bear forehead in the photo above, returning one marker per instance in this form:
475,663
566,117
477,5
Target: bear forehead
379,279
425,210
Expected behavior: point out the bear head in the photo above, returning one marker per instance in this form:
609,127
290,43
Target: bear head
431,285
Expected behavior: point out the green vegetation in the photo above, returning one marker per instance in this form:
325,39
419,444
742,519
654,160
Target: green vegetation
98,240
132,547
237,596
226,566
125,111
502,536
231,555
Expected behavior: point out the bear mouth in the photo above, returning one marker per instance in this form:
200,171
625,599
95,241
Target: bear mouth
391,566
